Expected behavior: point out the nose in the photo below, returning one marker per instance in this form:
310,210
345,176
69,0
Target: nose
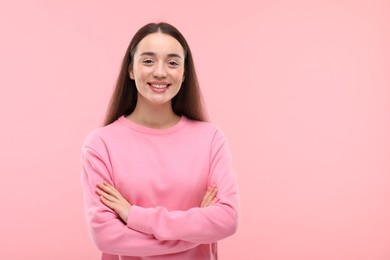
160,70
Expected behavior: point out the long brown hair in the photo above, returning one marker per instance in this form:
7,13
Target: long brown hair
187,102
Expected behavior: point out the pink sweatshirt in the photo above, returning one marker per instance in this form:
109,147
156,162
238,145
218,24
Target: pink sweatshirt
164,175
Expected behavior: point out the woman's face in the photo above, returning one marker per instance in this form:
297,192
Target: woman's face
158,68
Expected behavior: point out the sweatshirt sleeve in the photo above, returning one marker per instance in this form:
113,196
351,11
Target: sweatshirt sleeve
197,225
107,231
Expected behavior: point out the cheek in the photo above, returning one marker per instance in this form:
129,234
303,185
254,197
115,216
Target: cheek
179,76
140,75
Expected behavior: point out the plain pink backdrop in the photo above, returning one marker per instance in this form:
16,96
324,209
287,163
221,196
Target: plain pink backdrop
301,89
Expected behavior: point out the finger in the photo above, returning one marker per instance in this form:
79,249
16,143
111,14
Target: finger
112,190
109,203
106,187
211,196
205,196
214,192
106,195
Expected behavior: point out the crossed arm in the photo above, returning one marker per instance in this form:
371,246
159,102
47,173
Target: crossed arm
156,231
115,201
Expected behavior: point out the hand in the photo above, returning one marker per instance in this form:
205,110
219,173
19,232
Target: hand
114,200
209,197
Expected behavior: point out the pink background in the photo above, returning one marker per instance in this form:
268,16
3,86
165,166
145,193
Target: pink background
301,89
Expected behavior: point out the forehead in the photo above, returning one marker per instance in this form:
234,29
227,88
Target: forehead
160,44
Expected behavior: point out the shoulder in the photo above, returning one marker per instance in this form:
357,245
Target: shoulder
97,138
206,128
211,134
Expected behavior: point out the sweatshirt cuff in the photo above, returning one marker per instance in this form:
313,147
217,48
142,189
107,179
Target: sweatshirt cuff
137,219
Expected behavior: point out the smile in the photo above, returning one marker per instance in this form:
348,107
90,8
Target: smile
159,86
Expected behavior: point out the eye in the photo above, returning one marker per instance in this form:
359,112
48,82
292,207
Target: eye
173,63
147,61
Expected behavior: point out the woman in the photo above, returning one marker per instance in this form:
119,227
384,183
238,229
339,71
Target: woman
157,178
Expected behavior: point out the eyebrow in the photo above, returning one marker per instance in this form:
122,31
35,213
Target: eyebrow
170,55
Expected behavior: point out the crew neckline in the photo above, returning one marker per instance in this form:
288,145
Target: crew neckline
154,131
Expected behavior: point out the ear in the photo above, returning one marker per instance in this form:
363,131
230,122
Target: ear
131,74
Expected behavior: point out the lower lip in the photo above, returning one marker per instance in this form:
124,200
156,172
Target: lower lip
158,90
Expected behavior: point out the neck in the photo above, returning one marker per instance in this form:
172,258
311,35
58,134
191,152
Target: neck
158,116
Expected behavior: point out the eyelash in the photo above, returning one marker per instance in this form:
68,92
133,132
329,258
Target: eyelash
173,63
170,63
148,62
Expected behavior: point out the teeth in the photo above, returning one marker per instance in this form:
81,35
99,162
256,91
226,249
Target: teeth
159,86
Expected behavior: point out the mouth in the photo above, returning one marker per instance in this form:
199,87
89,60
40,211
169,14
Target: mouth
159,85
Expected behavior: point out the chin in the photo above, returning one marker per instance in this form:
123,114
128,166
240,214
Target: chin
159,101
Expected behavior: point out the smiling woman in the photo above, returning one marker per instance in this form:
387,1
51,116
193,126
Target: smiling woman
157,178
158,72
188,100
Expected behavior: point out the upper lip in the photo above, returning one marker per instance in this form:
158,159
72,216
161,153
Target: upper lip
158,83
